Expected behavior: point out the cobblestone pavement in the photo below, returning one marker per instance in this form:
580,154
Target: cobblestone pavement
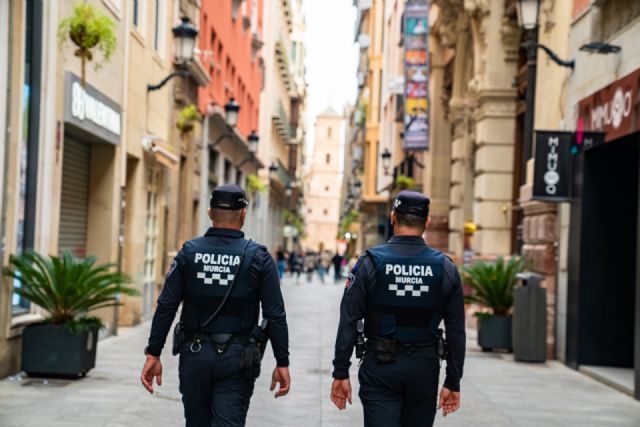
496,391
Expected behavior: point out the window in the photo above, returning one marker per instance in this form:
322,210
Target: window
114,5
326,212
328,158
329,131
150,239
309,210
238,177
159,32
138,15
326,188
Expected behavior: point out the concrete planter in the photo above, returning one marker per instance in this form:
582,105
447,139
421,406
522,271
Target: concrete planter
494,332
49,350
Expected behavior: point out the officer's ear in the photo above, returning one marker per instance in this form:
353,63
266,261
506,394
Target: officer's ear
392,218
243,215
426,224
210,214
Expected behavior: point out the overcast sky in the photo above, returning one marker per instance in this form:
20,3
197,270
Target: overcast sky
331,57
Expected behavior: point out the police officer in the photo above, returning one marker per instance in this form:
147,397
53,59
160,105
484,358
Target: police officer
402,290
218,362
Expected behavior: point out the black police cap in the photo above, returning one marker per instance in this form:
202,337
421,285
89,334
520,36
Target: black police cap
230,197
411,202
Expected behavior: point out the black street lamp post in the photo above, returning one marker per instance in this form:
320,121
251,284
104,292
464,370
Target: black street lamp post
386,160
184,36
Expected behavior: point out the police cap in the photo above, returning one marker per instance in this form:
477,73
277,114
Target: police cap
230,197
411,202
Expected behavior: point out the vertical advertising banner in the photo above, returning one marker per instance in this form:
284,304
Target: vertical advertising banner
416,75
552,168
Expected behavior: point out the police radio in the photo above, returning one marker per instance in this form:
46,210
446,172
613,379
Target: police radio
360,339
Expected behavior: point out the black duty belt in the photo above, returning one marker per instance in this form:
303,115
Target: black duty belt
220,341
392,346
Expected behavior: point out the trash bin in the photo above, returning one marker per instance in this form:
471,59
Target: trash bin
530,319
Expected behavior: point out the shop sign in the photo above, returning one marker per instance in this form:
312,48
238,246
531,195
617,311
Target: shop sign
416,66
552,167
614,109
90,111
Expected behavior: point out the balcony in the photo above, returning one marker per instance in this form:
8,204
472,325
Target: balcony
281,175
283,65
282,123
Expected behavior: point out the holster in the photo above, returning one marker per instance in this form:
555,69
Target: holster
384,350
442,347
179,339
253,351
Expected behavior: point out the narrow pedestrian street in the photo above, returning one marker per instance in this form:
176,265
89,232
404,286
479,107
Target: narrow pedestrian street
495,391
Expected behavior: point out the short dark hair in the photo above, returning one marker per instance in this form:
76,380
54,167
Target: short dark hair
410,220
226,216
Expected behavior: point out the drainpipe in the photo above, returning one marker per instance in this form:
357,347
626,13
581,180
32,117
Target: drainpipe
123,163
204,175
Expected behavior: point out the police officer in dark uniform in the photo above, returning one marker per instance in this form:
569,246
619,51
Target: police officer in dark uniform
403,290
218,337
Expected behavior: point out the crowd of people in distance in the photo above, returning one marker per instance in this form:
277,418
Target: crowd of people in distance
309,263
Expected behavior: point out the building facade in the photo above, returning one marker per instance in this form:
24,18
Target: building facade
107,184
281,102
323,184
598,282
231,49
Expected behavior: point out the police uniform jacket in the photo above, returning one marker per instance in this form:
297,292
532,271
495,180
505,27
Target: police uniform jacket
403,289
199,277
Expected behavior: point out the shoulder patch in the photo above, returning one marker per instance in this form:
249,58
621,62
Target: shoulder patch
172,267
352,274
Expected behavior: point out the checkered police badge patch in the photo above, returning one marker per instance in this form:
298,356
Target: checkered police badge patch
215,278
217,269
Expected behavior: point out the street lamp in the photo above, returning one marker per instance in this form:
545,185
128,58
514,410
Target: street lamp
185,39
252,146
386,160
253,140
528,11
288,189
231,109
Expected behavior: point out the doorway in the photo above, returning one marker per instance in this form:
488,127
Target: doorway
608,253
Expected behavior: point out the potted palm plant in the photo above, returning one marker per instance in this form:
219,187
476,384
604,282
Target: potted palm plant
492,286
68,288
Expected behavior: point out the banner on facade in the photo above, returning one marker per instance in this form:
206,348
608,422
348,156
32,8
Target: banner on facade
553,166
416,76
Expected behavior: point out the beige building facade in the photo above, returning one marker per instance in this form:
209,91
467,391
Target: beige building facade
104,185
323,184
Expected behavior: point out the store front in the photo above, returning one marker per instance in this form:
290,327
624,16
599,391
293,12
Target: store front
92,127
603,325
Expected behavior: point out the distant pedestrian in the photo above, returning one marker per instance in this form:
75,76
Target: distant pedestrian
324,262
310,264
337,266
281,261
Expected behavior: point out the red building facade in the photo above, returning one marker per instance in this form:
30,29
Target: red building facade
230,43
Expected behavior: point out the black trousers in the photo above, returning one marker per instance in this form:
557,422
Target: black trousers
214,390
403,393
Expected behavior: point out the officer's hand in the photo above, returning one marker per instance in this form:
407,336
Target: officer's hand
280,376
152,368
341,393
449,401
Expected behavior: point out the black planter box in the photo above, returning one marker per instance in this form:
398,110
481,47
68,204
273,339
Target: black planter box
49,350
494,332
